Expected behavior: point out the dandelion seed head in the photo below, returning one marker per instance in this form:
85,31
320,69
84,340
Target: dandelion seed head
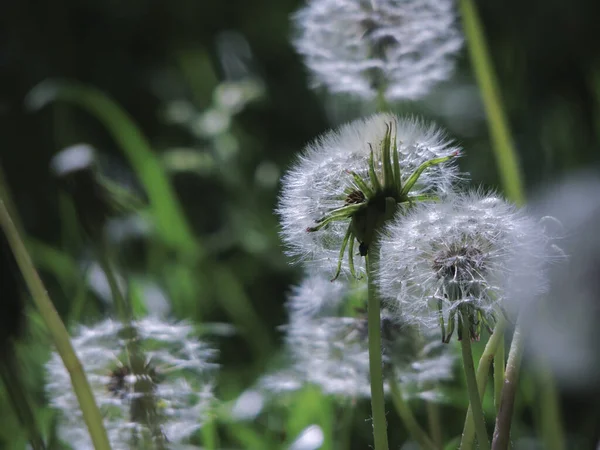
329,348
320,181
178,368
401,48
472,248
563,329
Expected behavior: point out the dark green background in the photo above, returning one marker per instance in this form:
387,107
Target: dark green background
147,53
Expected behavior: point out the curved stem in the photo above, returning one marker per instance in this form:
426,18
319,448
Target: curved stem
509,390
498,374
375,362
506,156
474,397
408,418
60,336
483,370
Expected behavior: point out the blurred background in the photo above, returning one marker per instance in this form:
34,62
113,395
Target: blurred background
217,94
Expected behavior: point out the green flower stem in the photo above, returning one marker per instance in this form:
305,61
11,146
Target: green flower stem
474,397
506,156
408,418
552,429
60,336
435,425
375,362
143,407
498,374
483,370
509,390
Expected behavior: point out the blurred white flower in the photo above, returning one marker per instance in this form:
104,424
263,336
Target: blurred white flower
399,48
327,341
311,438
472,253
563,330
331,183
167,400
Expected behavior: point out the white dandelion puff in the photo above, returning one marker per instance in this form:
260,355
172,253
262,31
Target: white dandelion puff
470,252
354,171
397,48
329,348
177,379
563,329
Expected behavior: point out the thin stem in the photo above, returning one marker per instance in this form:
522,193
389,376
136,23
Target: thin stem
552,428
509,390
143,407
408,418
474,397
506,156
435,425
375,362
498,374
483,370
60,336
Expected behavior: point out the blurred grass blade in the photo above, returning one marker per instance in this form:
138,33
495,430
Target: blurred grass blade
10,373
506,156
60,336
171,223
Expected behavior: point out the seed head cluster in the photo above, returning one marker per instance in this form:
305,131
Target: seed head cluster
329,346
332,173
174,386
472,250
399,49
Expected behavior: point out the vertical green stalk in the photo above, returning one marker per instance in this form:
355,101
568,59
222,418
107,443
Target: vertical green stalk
375,361
408,418
509,390
435,425
143,406
506,156
483,370
498,374
474,397
60,336
552,430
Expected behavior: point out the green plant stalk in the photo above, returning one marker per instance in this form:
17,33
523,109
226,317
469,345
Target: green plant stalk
552,430
408,418
435,425
375,361
483,369
144,406
60,336
498,374
474,397
509,390
505,154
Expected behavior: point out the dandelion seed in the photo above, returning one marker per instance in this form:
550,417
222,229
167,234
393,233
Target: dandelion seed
397,48
348,181
465,254
329,348
177,379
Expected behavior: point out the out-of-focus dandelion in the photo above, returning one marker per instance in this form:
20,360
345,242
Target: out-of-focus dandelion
398,49
161,405
462,257
327,341
346,183
563,330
